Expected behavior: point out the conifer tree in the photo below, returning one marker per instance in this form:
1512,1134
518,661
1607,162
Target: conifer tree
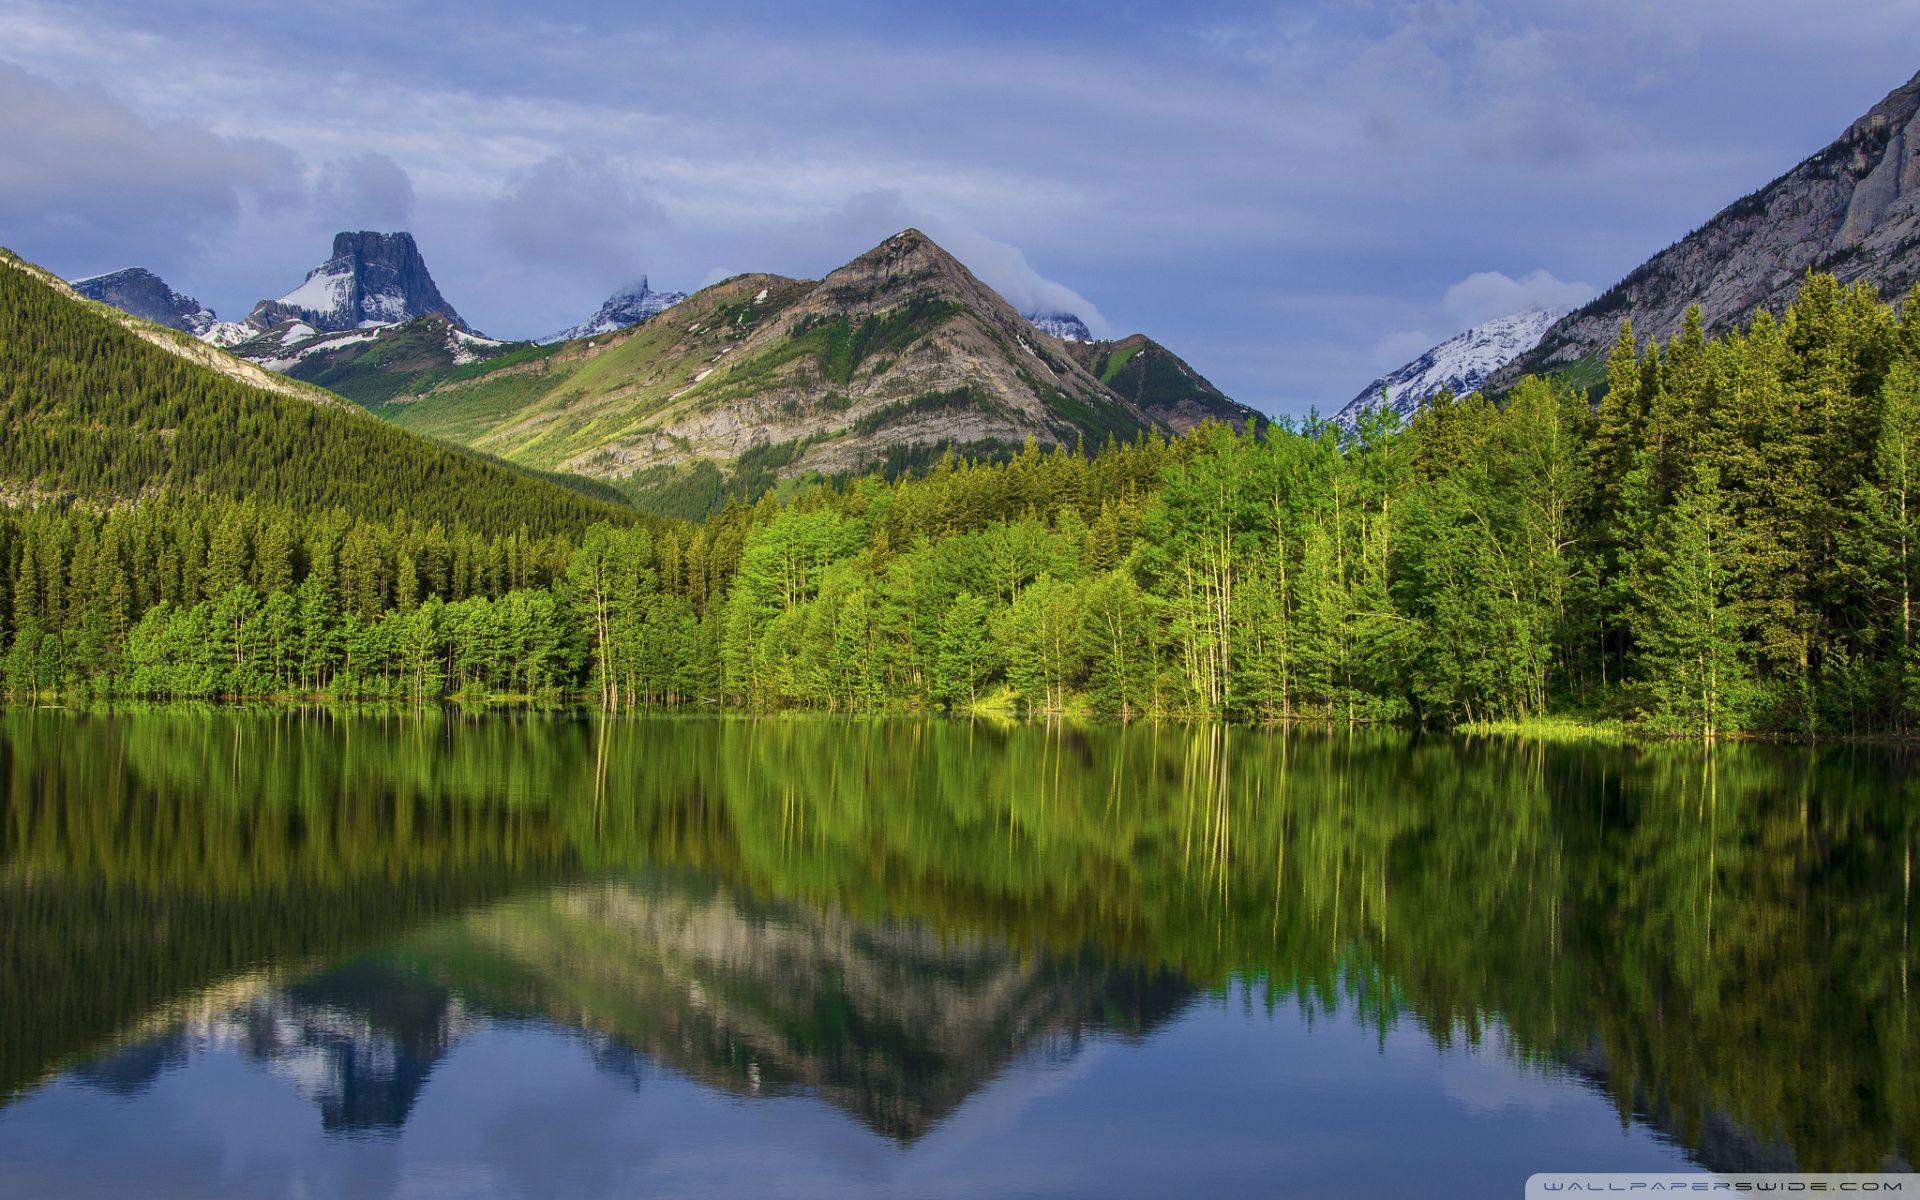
1692,656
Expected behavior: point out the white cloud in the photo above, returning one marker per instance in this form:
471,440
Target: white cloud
1485,295
91,185
579,214
1002,266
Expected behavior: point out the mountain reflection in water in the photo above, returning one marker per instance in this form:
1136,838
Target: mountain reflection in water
889,916
893,1023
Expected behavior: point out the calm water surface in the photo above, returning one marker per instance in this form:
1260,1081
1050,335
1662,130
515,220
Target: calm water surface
438,955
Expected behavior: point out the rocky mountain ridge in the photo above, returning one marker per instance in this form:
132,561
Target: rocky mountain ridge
140,292
886,361
1852,209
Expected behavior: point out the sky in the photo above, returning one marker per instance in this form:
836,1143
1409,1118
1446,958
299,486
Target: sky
1294,197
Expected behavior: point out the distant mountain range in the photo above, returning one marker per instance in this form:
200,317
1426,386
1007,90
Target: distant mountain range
890,359
887,361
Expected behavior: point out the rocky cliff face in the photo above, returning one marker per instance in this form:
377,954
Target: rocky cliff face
1852,209
370,279
139,291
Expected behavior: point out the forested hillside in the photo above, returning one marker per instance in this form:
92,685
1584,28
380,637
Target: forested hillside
1729,541
94,413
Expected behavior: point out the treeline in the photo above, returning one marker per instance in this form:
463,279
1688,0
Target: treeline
1725,541
90,411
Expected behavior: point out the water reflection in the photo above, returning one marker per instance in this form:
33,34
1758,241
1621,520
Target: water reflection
888,917
890,1022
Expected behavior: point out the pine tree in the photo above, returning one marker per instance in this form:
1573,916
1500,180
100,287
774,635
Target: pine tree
964,657
1692,655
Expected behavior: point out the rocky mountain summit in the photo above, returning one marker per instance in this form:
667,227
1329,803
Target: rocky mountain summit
140,292
1461,364
625,308
370,279
1853,210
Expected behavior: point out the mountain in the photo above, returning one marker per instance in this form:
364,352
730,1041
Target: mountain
1142,371
103,406
140,292
627,307
1064,325
887,361
1460,365
1853,210
371,279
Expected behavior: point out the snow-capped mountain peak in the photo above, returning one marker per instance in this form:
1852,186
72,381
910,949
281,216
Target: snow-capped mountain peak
370,279
628,306
1064,325
1461,364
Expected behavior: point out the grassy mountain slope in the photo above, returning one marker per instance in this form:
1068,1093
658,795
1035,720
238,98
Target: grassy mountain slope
1141,370
370,366
100,407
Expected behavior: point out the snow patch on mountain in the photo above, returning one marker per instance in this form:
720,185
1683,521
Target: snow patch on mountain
468,347
300,340
327,291
1064,325
1460,364
227,334
626,307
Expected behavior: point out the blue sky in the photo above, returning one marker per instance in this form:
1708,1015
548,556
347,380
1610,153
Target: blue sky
1292,196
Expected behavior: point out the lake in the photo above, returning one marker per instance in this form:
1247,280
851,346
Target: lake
440,954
